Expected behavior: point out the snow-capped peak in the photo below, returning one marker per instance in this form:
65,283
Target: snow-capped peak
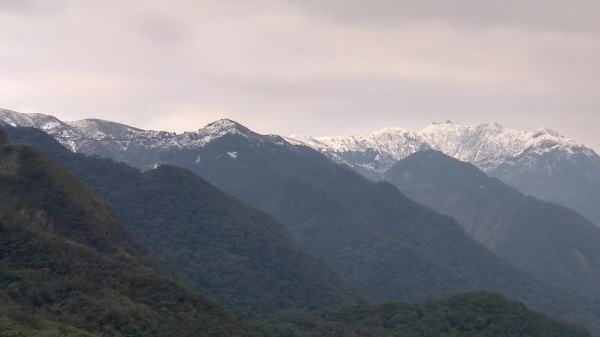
219,129
80,135
224,125
486,145
374,152
547,134
29,119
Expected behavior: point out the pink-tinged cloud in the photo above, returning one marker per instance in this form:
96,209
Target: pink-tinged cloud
306,66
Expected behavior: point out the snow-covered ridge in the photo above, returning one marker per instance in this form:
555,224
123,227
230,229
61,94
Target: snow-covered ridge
486,145
541,163
78,135
219,129
100,129
48,124
395,142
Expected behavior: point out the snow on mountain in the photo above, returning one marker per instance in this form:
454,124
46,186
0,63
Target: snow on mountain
541,163
371,154
48,124
107,132
219,129
489,145
486,146
396,142
87,135
103,130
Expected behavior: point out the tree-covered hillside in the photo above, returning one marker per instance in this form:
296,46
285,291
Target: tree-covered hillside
67,268
219,242
386,244
472,314
546,239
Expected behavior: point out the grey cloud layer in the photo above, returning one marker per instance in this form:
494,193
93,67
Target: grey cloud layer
306,66
581,15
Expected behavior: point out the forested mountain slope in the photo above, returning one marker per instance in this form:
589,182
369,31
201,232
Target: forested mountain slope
472,314
386,244
546,239
68,268
219,242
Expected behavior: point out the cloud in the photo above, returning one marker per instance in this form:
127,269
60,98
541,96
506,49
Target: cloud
580,15
30,7
315,67
163,29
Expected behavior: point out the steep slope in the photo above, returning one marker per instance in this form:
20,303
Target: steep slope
237,251
473,314
67,267
222,244
546,239
567,176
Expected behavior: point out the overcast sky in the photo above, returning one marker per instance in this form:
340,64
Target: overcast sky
315,67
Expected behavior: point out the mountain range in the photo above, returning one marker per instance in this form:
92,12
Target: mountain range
67,268
388,246
540,163
229,248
